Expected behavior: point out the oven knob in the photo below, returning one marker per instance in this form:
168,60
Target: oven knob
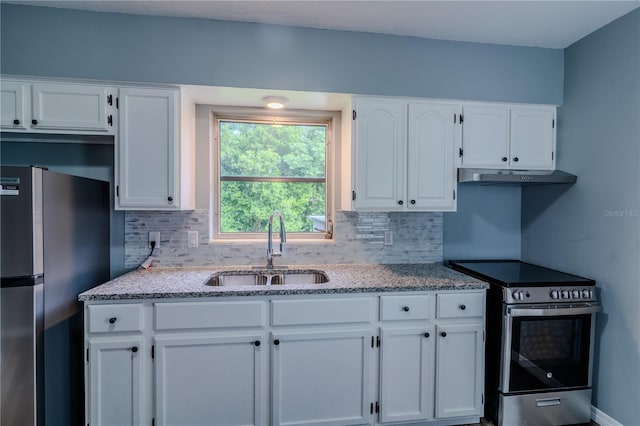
575,294
554,294
517,295
565,294
585,294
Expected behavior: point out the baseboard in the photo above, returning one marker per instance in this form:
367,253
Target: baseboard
602,418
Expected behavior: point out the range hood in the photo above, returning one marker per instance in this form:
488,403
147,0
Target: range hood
514,177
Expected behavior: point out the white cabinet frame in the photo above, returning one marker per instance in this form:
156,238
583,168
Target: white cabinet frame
407,373
215,390
105,405
404,155
329,346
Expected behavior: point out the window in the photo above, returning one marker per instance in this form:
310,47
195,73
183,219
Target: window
265,164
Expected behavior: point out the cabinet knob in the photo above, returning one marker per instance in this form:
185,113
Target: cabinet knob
515,159
426,335
405,308
276,342
400,202
113,320
443,334
257,343
504,159
463,307
170,199
413,201
34,121
16,122
134,349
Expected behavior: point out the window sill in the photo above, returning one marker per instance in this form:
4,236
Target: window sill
254,241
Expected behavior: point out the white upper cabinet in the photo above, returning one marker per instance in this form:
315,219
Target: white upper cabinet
71,107
508,137
154,163
404,155
380,154
14,102
431,177
533,138
485,136
62,108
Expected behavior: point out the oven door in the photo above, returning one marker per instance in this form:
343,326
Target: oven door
547,347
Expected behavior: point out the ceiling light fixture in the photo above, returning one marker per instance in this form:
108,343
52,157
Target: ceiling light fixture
275,102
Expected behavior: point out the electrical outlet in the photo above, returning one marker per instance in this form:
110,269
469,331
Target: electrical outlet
192,239
388,238
154,236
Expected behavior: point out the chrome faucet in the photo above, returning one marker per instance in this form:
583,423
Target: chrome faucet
283,239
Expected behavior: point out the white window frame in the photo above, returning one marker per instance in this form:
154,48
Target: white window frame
260,115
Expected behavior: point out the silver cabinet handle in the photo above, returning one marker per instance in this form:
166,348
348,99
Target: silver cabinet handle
547,402
547,312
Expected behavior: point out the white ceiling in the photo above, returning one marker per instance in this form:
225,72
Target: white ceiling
554,24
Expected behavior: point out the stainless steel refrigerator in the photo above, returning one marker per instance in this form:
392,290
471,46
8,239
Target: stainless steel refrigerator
54,245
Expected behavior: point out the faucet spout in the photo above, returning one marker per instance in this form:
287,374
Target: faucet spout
271,253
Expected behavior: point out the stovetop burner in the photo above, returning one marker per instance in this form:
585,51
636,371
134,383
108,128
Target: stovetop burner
521,282
514,273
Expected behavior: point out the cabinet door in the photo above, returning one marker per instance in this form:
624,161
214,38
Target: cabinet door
146,149
532,138
380,154
114,382
13,107
407,366
214,380
459,370
321,378
431,177
71,107
485,136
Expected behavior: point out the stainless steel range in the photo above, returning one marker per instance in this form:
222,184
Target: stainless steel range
539,347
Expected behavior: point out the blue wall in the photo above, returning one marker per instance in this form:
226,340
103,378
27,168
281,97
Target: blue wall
593,228
486,224
66,43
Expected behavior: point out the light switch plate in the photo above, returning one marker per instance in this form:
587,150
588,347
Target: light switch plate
192,239
388,238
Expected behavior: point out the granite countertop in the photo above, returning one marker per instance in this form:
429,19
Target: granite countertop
162,283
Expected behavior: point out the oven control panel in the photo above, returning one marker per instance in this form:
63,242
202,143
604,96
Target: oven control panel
548,294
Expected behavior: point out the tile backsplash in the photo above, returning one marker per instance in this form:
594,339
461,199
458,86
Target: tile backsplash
358,238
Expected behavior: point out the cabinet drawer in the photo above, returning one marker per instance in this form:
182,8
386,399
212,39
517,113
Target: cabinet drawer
321,311
172,316
406,307
112,318
463,305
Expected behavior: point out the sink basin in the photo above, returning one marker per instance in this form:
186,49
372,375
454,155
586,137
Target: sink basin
267,277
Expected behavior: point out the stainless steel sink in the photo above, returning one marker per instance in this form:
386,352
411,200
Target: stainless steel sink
267,277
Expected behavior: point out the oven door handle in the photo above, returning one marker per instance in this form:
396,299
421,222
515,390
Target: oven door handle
550,312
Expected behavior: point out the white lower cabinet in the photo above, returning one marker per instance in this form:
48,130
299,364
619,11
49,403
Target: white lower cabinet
407,373
321,378
459,370
214,380
115,381
371,359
